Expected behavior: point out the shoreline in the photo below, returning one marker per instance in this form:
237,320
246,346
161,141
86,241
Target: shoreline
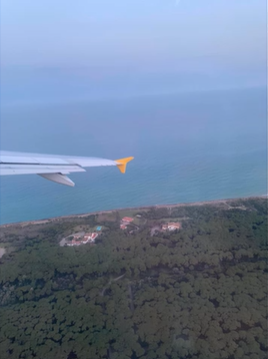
81,215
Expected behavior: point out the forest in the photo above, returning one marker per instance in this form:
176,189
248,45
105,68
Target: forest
196,293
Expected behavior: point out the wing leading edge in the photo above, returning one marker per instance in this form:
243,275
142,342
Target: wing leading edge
53,167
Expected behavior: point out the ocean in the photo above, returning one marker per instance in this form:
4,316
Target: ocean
188,147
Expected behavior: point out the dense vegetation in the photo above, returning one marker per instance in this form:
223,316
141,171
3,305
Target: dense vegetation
198,293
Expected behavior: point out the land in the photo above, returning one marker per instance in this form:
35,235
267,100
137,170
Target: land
199,291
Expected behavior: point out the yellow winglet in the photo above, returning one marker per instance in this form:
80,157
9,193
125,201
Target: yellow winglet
122,163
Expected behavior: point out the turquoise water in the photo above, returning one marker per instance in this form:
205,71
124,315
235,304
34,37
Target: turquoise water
187,147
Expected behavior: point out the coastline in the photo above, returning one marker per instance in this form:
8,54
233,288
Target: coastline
81,215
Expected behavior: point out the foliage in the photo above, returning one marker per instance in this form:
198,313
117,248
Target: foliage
198,293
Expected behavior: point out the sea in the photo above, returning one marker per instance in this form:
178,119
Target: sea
188,147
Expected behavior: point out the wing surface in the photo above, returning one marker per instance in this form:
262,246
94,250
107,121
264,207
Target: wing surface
52,167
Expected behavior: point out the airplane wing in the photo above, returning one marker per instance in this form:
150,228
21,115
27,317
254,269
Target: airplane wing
53,167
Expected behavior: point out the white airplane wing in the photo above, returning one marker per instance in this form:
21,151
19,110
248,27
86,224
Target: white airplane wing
52,167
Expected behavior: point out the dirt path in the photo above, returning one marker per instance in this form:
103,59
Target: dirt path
154,230
2,252
110,281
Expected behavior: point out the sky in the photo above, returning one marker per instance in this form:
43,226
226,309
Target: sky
65,48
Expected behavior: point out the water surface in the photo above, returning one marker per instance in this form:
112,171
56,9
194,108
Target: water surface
187,147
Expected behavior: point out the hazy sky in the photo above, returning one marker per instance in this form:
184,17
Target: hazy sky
111,41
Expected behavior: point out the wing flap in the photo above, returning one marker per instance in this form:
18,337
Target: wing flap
14,169
58,178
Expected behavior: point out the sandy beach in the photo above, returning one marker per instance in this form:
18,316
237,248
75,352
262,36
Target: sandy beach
225,202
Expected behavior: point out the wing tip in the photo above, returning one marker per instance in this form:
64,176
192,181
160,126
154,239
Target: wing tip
122,163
